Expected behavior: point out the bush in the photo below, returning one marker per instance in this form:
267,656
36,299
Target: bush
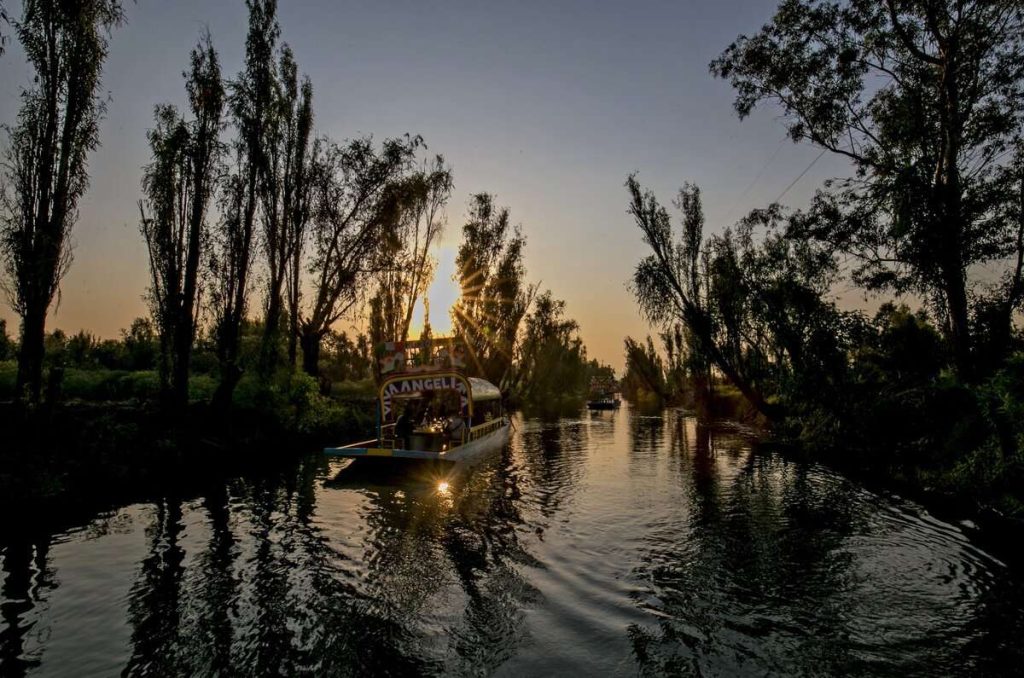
8,378
110,385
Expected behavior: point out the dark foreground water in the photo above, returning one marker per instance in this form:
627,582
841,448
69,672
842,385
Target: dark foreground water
612,544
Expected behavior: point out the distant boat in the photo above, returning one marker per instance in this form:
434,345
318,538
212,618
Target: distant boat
428,409
603,394
605,403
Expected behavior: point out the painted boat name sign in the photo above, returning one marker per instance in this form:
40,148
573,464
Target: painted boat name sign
421,385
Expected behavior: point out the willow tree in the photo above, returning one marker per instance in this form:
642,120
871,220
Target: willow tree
494,296
762,314
251,101
46,169
178,185
551,360
358,194
410,263
923,98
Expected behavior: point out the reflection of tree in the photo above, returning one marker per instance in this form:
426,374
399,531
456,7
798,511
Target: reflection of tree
553,457
27,578
153,604
483,545
750,573
647,434
217,590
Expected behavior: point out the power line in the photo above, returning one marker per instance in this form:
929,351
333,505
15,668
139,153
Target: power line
799,177
739,199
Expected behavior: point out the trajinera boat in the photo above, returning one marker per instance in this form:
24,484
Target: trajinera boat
603,394
428,408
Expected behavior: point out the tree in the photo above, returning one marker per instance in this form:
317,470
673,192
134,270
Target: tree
552,361
299,199
359,202
762,316
178,185
494,297
401,283
645,372
284,198
46,171
923,98
251,99
6,345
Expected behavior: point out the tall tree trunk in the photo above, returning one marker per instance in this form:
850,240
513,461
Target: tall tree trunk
955,290
182,359
30,353
310,341
294,277
271,328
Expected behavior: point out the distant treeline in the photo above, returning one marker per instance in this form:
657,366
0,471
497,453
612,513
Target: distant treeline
261,234
925,102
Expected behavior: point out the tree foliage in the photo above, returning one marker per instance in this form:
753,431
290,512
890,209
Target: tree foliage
46,171
251,102
178,185
410,265
285,200
754,300
551,365
494,294
923,98
6,345
359,202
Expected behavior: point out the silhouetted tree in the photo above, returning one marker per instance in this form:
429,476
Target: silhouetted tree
178,185
762,317
46,169
284,198
494,296
358,204
251,102
410,267
299,202
645,372
6,345
551,365
923,98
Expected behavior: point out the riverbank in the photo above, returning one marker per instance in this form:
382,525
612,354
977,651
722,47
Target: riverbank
80,453
946,486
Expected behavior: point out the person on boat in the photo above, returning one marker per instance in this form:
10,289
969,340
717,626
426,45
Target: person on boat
404,426
455,428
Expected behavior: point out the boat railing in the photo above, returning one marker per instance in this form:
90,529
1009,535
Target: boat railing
483,429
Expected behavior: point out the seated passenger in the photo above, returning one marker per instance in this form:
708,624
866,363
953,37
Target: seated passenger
455,428
404,427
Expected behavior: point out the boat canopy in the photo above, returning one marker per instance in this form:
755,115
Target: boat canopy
419,385
481,389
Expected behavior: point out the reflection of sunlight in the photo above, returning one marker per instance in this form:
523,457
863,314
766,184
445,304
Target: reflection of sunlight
442,488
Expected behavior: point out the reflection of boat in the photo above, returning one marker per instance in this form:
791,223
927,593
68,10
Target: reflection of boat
430,410
605,403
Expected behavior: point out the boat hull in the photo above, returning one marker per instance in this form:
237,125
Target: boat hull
471,450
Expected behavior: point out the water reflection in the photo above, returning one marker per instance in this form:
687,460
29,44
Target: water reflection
27,580
614,543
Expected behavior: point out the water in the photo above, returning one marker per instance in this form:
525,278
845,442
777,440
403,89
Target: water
611,544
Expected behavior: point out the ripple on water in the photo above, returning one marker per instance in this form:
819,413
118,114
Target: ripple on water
612,544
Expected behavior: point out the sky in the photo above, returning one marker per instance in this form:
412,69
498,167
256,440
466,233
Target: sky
549,105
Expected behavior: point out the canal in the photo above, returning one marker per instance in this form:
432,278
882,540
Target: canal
614,543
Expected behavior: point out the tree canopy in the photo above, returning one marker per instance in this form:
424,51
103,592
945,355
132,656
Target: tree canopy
923,98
